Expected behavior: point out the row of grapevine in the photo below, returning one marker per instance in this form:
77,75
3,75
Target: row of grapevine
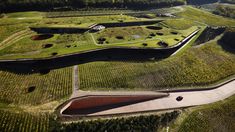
215,117
33,89
23,122
144,123
87,13
198,66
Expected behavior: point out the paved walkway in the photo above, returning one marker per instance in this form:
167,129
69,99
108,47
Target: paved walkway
189,99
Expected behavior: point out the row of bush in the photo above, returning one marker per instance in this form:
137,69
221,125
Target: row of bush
15,5
149,123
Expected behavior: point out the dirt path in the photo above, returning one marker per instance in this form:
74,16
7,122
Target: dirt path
75,82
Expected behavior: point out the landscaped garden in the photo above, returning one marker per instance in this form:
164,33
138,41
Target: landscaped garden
28,100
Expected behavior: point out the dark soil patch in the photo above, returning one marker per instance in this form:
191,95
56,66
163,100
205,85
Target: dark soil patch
119,37
162,44
145,44
152,34
31,89
160,34
175,33
101,40
68,46
154,28
45,46
55,53
42,37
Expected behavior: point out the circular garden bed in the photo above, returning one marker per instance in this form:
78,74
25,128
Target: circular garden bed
45,46
163,44
160,34
42,37
101,40
174,33
31,89
154,28
54,53
119,37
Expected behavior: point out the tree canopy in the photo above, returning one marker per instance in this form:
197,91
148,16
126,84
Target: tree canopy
21,5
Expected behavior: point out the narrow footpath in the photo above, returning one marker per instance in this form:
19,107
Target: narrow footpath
75,82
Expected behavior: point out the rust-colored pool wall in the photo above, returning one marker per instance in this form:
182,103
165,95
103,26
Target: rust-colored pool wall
91,104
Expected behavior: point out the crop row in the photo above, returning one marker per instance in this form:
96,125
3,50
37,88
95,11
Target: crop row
196,67
35,88
23,122
214,117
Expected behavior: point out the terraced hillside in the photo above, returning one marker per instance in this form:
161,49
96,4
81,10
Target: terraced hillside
198,66
28,100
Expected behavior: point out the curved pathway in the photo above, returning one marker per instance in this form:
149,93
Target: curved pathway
189,99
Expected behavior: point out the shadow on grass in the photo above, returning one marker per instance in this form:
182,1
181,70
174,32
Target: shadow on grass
43,66
227,42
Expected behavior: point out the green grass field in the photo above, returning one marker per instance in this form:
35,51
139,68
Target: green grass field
203,17
139,36
28,101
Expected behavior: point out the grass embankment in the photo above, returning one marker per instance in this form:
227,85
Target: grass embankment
198,66
203,17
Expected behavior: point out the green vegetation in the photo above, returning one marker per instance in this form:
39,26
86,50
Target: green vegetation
203,17
215,117
23,121
136,36
150,123
35,89
14,5
198,66
225,10
130,36
181,23
28,100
